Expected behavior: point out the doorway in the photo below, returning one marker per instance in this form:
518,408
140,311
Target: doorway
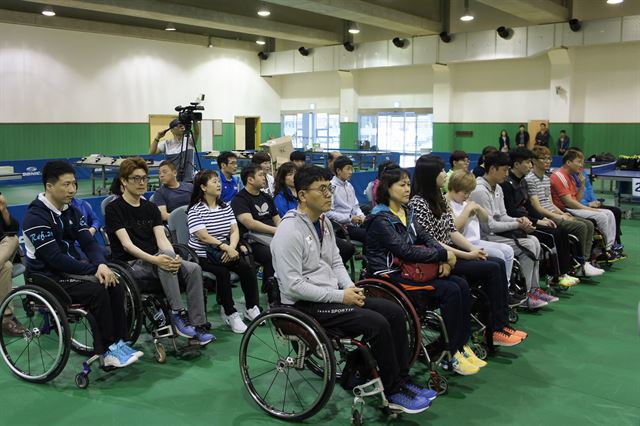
247,133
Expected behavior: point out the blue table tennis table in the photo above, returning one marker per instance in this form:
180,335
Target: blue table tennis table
609,172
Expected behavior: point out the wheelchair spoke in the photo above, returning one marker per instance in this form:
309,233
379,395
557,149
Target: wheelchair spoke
271,385
261,359
260,375
275,345
265,343
308,382
12,342
44,350
293,388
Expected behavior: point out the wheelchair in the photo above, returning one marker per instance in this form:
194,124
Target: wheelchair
290,365
55,327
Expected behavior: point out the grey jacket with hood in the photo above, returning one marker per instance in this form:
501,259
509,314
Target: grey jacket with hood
306,268
492,200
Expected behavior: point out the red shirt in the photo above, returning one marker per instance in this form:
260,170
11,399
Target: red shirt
562,183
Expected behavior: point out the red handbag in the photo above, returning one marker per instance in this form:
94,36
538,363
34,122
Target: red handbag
417,272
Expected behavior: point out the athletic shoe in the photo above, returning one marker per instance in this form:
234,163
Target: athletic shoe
503,338
534,302
12,327
407,402
128,349
235,322
588,270
543,295
518,333
568,281
252,313
472,357
515,300
180,322
203,337
422,392
618,247
117,357
463,366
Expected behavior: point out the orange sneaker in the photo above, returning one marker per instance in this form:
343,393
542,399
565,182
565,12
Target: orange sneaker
502,338
518,333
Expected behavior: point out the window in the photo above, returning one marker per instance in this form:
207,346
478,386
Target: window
409,133
308,129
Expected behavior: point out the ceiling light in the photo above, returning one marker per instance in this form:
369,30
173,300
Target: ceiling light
169,27
264,11
48,11
466,16
353,28
614,1
261,41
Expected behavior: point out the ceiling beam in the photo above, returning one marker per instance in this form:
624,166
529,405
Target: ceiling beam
70,24
537,11
199,17
367,13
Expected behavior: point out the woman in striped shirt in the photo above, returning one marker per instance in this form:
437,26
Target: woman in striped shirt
214,237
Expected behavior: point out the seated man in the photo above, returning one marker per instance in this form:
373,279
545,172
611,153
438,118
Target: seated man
171,194
458,160
263,160
51,228
257,216
137,236
312,277
502,228
298,158
8,247
345,208
228,165
567,196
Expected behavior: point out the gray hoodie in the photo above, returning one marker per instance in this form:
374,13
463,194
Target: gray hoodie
492,200
307,269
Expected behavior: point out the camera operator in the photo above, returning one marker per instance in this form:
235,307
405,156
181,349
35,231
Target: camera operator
174,148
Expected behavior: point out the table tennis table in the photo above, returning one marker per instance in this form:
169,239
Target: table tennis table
609,172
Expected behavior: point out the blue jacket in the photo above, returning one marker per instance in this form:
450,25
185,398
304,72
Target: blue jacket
50,236
229,188
89,216
283,204
588,195
388,237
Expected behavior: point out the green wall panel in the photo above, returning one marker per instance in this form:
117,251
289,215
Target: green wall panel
58,140
270,131
617,138
348,135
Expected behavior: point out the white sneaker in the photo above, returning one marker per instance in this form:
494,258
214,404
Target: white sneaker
591,271
252,313
235,322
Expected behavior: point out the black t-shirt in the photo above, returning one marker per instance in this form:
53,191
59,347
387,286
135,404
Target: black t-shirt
139,223
261,207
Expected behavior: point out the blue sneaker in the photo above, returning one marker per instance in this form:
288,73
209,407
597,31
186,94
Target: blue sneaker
408,402
116,357
423,392
204,337
181,324
128,349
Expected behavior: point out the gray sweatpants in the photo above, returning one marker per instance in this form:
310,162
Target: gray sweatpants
530,267
192,275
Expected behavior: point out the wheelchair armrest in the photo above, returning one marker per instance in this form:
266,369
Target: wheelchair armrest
186,253
105,237
273,292
50,285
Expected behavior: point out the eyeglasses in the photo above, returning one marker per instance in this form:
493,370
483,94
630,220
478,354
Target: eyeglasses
138,179
545,159
326,190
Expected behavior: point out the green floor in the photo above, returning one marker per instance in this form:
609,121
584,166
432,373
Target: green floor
579,366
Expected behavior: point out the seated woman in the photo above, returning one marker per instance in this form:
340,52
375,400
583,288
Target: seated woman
433,214
285,198
214,237
479,170
392,233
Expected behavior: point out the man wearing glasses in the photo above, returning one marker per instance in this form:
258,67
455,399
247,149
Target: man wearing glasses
137,236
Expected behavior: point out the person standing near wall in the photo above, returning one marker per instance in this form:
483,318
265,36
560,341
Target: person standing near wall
522,137
564,142
543,136
504,143
176,150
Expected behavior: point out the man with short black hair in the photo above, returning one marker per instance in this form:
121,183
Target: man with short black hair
228,165
51,228
458,160
176,150
263,160
331,157
257,216
522,137
311,277
298,158
543,136
345,208
171,194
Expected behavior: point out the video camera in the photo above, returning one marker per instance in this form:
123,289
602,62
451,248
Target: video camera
188,115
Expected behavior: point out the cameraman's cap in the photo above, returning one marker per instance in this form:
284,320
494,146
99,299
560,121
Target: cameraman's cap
174,123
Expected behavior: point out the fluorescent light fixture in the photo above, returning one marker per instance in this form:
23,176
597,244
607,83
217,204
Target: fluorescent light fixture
261,41
466,16
312,106
614,1
396,104
169,27
353,28
264,11
48,11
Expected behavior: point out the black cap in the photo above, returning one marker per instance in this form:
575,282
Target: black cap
174,123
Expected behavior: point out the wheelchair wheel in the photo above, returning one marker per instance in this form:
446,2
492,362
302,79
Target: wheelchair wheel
132,302
42,351
513,315
275,373
438,383
81,331
378,288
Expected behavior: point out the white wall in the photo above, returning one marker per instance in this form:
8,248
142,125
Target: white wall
300,90
381,87
606,84
49,75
